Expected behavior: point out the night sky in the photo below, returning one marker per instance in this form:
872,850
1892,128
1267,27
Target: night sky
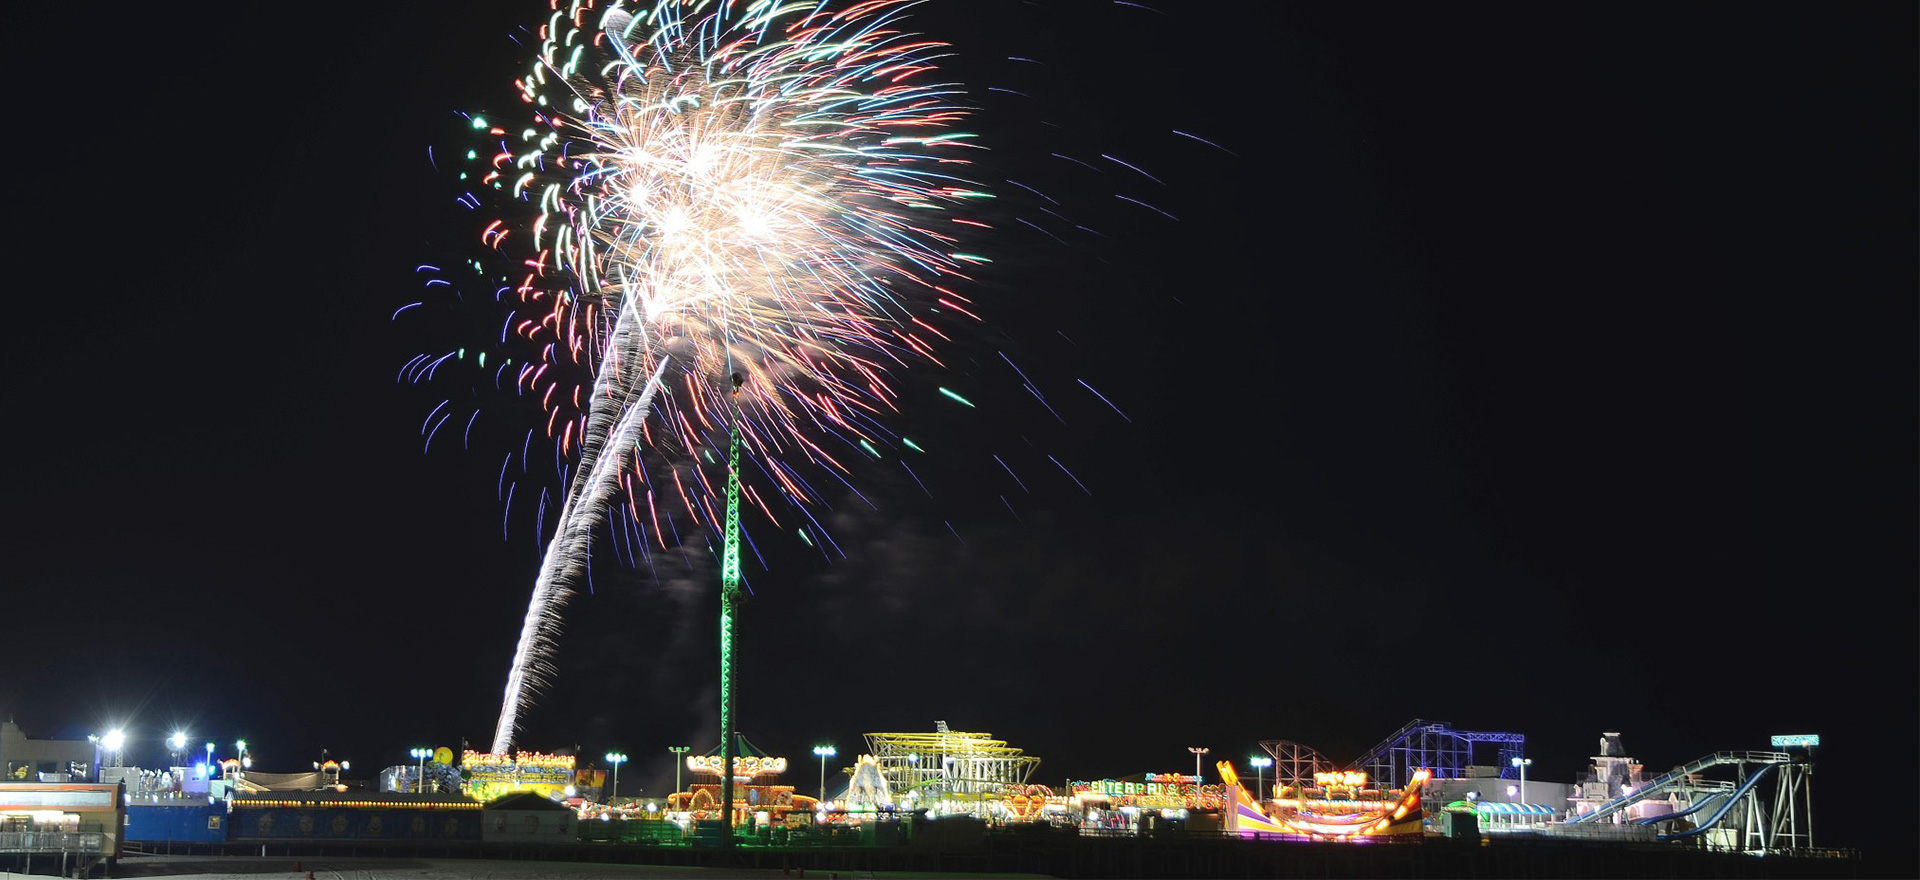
1532,369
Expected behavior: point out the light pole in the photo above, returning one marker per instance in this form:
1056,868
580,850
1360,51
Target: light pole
1522,764
240,746
113,742
824,752
677,752
210,759
420,782
616,759
1260,764
1197,752
179,743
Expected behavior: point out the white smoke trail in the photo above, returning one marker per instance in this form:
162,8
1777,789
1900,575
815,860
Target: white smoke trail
568,552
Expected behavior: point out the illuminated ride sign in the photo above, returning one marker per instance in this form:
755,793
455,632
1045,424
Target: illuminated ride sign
1796,741
1341,779
483,761
1155,791
743,765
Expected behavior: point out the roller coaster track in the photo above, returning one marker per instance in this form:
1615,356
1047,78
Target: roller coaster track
1392,739
1435,745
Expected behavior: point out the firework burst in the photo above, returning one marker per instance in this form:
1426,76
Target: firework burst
762,190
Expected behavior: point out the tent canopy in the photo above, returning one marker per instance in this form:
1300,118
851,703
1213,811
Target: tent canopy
1513,809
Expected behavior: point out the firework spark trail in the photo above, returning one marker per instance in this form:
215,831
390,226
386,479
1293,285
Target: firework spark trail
568,553
748,189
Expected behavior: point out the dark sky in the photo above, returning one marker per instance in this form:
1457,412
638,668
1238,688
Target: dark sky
1533,369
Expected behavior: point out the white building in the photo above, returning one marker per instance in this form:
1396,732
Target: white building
1483,785
525,816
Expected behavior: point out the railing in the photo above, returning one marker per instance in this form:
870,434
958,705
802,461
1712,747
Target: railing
1707,785
52,841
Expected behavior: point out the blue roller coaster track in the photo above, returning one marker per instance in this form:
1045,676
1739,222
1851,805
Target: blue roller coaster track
1437,746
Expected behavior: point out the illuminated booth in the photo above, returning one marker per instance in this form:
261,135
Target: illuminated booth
489,776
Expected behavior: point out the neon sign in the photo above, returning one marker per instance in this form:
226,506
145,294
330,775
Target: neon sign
1118,788
1341,779
490,761
1158,790
743,765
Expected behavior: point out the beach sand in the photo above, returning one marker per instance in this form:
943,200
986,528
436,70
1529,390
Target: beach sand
327,868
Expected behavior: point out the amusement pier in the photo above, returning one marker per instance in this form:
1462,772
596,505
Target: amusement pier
1429,799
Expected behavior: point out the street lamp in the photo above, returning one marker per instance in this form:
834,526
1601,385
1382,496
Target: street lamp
1197,752
179,743
824,752
115,740
616,759
210,755
420,782
1260,763
677,752
1522,763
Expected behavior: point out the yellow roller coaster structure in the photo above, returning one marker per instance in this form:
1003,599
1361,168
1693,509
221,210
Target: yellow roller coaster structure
949,763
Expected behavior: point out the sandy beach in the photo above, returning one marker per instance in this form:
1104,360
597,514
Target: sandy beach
238,867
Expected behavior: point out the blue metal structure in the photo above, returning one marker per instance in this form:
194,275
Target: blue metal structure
1436,746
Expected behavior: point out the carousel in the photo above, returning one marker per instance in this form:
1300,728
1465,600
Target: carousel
759,799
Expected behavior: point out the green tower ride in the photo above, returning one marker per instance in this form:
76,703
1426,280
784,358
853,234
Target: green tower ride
729,605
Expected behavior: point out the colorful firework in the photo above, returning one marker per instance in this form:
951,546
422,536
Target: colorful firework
717,189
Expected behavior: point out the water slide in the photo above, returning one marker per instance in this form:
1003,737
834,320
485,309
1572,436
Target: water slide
1726,805
1705,802
1660,785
